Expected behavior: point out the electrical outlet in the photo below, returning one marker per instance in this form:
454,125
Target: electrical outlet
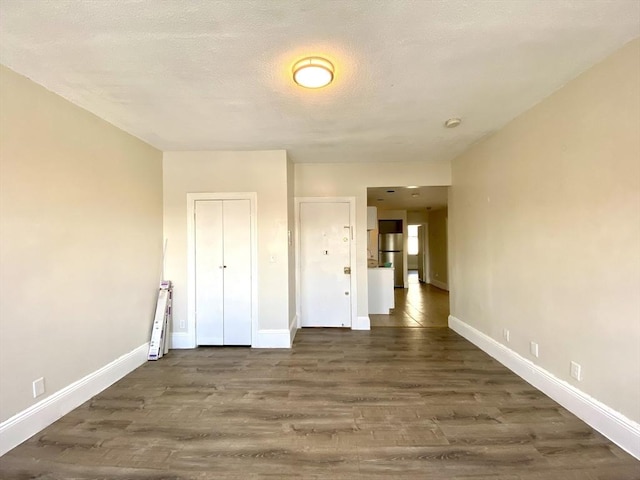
533,347
182,324
576,371
38,387
506,334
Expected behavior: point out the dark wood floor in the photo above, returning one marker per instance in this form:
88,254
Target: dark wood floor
390,403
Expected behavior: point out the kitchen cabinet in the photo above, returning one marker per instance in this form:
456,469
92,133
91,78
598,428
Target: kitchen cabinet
381,297
372,218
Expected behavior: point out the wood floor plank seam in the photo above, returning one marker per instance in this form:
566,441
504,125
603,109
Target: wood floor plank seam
398,402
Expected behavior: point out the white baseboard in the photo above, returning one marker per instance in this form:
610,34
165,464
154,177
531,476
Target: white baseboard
439,284
27,423
181,340
612,424
266,338
273,338
293,329
362,323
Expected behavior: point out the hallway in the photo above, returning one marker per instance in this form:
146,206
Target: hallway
419,306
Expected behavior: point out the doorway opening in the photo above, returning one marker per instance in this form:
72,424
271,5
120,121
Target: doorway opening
419,255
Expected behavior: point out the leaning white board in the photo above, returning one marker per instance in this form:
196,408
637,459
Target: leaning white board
159,345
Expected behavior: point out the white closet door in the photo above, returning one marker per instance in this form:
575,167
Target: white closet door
209,272
237,272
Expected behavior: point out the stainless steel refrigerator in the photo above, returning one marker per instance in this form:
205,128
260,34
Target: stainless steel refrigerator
390,250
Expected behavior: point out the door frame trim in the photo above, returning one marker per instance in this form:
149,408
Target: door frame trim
352,251
191,258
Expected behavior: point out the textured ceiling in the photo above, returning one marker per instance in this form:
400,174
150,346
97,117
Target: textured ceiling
208,74
403,198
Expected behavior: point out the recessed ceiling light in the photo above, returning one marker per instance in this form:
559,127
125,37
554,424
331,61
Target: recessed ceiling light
413,186
313,72
452,123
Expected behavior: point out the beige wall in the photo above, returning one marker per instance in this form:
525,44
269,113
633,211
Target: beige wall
545,227
438,255
417,217
352,180
263,172
80,241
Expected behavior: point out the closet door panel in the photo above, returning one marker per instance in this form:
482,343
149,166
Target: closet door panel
237,272
209,276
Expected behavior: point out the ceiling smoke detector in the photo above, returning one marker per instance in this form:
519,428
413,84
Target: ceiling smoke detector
452,123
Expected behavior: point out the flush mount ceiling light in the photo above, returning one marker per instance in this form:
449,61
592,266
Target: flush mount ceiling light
452,123
313,72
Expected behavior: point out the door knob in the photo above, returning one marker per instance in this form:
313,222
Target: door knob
347,270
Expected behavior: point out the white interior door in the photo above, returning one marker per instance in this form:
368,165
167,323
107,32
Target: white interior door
325,251
223,272
237,272
209,274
